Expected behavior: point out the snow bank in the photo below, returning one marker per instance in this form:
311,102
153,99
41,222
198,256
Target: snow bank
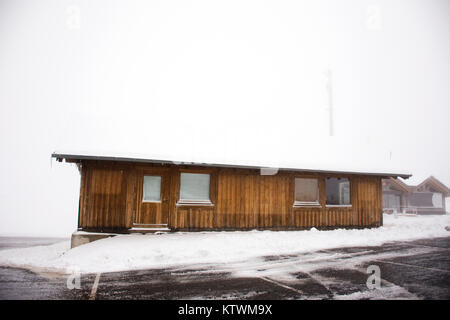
132,252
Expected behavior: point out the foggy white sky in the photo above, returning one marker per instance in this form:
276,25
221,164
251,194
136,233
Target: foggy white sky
239,81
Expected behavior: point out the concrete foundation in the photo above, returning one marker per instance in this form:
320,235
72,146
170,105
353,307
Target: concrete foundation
80,237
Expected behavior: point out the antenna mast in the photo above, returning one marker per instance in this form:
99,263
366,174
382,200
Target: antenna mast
329,87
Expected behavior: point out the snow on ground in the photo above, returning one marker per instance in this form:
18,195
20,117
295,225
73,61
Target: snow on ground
133,252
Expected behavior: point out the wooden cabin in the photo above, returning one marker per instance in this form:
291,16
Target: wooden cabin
124,195
426,198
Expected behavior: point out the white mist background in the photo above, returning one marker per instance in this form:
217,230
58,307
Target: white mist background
216,81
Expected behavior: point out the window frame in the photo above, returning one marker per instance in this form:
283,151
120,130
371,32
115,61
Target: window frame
300,204
195,203
350,182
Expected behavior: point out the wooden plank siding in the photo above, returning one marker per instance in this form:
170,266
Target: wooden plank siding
241,199
249,200
104,200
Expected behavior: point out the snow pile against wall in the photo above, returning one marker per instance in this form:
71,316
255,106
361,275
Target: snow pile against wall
133,252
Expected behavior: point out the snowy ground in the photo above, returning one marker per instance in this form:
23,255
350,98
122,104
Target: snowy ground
135,252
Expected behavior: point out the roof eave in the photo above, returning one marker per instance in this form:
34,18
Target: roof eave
78,158
438,185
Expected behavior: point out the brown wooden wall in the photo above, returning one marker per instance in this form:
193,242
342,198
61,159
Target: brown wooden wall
106,201
242,199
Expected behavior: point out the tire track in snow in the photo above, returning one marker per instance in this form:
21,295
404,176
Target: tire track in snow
281,285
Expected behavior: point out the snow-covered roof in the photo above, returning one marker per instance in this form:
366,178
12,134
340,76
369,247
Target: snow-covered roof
230,164
413,188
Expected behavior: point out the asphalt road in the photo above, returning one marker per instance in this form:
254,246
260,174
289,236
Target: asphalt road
408,270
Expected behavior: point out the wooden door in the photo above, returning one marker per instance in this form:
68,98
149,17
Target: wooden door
152,199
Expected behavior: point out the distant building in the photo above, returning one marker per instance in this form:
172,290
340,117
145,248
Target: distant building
425,198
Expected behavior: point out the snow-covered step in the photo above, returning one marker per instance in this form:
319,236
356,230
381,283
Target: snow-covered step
148,230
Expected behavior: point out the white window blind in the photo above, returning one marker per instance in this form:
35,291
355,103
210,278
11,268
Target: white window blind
152,188
194,187
306,191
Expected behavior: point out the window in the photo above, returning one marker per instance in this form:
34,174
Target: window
306,191
391,201
436,199
194,188
338,191
152,189
425,200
